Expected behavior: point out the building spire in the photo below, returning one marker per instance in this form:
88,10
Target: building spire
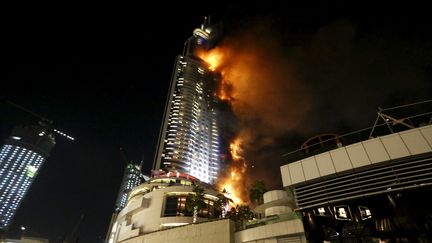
206,22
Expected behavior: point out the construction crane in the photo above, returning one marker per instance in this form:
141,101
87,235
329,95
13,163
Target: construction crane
125,160
123,155
43,121
73,236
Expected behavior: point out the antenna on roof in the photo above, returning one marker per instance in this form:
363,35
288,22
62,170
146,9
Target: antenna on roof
206,22
142,162
123,155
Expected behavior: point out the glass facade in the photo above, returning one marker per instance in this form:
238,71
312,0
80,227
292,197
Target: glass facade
132,177
189,138
176,206
21,156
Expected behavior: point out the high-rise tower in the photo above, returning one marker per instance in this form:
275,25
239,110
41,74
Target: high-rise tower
21,156
132,177
189,136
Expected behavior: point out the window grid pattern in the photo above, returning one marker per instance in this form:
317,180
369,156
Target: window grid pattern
191,139
18,167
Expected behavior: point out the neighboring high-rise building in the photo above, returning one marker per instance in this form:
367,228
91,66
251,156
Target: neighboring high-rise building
189,136
21,156
132,177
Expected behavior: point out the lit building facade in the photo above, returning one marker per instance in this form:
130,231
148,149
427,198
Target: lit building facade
160,204
132,177
278,224
189,136
21,156
156,212
369,191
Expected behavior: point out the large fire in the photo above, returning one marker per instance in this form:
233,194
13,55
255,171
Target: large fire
235,149
260,85
234,180
213,58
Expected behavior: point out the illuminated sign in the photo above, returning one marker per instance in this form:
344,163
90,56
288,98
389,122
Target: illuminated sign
323,211
365,213
342,212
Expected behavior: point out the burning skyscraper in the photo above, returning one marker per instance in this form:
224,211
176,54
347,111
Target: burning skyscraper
189,136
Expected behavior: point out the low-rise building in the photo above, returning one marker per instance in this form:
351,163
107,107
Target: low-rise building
371,190
160,204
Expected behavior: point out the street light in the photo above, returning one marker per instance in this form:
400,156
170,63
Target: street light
23,228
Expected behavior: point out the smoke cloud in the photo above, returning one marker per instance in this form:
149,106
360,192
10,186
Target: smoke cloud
263,91
287,86
267,97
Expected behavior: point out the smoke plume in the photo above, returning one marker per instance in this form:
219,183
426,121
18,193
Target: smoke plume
285,86
264,93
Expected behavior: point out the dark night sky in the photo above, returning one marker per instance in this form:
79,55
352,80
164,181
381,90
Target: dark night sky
101,73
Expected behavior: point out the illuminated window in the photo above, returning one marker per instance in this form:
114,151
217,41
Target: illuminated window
175,206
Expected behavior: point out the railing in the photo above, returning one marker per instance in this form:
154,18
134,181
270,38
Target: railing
242,225
394,119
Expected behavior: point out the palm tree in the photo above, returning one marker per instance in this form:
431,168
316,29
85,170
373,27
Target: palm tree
244,213
195,202
220,204
257,191
240,214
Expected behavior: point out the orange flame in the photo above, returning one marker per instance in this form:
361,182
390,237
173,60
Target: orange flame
213,58
235,149
258,82
234,180
231,193
225,91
